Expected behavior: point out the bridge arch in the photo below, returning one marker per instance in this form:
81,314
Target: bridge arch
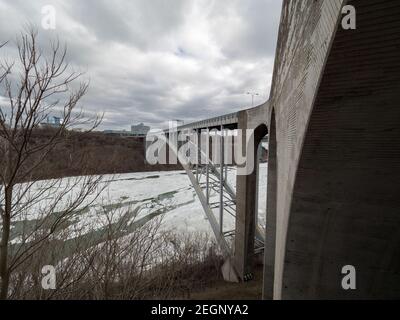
260,133
247,193
270,228
344,208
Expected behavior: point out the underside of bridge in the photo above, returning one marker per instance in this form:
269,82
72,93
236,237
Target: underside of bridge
345,205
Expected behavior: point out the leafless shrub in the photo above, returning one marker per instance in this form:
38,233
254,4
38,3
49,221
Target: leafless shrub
124,259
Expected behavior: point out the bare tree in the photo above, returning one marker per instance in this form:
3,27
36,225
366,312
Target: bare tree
37,85
120,254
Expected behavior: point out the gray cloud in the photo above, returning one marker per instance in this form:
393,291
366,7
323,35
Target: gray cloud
151,61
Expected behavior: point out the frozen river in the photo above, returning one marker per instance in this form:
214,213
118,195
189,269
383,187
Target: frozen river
148,194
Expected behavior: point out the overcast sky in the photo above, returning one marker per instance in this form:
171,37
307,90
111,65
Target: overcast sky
156,60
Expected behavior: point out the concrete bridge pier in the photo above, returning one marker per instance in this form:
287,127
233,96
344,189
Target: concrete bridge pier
246,206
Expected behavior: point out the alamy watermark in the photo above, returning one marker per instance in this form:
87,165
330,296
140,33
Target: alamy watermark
349,21
349,280
202,147
49,277
48,17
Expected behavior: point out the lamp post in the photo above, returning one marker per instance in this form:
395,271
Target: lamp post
253,94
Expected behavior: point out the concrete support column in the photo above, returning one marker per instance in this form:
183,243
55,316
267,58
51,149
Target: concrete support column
257,166
221,184
245,214
207,166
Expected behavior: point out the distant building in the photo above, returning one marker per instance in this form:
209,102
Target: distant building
179,122
54,122
118,133
139,130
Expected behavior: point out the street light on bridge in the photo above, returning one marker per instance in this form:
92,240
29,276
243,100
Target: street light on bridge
253,94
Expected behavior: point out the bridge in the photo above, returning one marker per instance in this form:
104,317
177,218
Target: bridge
333,184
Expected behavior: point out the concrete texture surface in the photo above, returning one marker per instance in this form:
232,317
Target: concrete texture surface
336,102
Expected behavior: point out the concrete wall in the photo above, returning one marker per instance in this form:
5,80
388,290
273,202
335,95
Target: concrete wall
306,33
335,100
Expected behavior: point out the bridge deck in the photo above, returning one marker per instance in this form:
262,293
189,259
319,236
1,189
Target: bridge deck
227,120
